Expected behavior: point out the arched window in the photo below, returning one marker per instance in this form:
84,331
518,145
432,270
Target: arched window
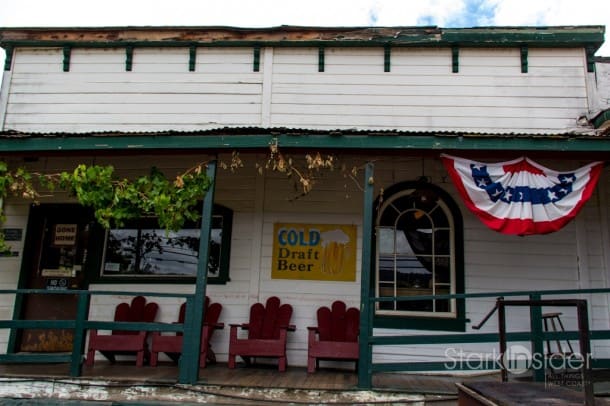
418,248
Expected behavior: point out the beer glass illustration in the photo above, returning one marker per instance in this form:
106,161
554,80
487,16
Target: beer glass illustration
334,244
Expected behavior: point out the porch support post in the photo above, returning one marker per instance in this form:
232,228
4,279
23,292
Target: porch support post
78,344
365,360
537,342
189,361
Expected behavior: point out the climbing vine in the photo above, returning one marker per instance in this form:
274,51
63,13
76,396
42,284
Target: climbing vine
116,200
306,174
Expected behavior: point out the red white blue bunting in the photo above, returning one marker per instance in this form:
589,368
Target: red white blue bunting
521,197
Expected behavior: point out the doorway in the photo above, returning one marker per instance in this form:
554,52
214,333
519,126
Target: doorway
57,257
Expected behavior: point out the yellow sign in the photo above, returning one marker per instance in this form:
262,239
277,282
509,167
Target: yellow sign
324,252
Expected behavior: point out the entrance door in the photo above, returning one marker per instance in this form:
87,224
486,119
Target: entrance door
55,257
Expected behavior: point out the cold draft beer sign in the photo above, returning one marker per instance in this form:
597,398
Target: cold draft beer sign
325,252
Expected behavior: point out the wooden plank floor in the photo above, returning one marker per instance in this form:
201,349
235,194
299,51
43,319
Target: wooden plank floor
245,384
256,376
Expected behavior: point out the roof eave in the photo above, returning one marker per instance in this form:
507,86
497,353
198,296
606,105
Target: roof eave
591,37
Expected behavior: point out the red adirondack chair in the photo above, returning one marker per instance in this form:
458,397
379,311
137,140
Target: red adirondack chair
335,337
172,344
124,342
267,332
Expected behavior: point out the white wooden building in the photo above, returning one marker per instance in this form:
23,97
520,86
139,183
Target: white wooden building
398,97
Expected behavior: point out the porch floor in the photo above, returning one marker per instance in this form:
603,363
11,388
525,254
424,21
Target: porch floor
257,384
123,382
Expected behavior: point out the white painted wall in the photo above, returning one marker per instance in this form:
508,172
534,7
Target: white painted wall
489,94
600,93
571,258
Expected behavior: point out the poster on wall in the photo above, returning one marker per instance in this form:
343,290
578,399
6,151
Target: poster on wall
325,252
64,234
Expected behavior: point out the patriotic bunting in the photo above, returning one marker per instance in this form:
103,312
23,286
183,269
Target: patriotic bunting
521,197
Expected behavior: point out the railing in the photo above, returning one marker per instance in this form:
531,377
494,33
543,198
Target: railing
81,324
535,335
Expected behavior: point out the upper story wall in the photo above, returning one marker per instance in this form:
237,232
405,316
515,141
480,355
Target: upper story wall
602,82
478,87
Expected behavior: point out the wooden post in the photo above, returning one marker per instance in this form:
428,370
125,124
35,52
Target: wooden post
366,313
189,362
502,333
584,339
537,342
78,344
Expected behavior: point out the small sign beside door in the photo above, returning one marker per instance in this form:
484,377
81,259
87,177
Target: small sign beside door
57,284
65,234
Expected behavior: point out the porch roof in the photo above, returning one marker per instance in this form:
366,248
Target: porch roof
258,137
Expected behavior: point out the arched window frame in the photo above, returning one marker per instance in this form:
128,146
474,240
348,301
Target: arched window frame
453,320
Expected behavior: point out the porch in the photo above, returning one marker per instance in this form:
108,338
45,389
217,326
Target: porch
257,384
64,376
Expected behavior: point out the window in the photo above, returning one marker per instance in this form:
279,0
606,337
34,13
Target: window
143,251
418,253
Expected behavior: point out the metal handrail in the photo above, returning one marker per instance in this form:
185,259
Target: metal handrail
535,335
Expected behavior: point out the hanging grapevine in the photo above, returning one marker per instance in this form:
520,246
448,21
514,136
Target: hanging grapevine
112,199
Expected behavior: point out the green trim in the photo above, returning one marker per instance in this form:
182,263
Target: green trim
320,59
256,63
189,362
455,59
602,118
192,57
387,55
532,36
524,63
590,52
225,245
550,143
35,358
78,346
537,345
95,266
67,53
8,61
128,57
365,356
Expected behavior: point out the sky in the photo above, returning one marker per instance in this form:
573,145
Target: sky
269,13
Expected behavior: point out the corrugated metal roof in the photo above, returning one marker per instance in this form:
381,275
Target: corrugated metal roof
228,131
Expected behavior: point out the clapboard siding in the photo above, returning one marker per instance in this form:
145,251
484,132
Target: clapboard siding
419,92
488,94
600,97
493,262
159,93
16,212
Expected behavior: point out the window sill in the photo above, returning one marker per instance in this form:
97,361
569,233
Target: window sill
420,323
158,279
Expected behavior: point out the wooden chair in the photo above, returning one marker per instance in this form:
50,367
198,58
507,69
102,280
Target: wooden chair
124,342
335,337
172,344
267,333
